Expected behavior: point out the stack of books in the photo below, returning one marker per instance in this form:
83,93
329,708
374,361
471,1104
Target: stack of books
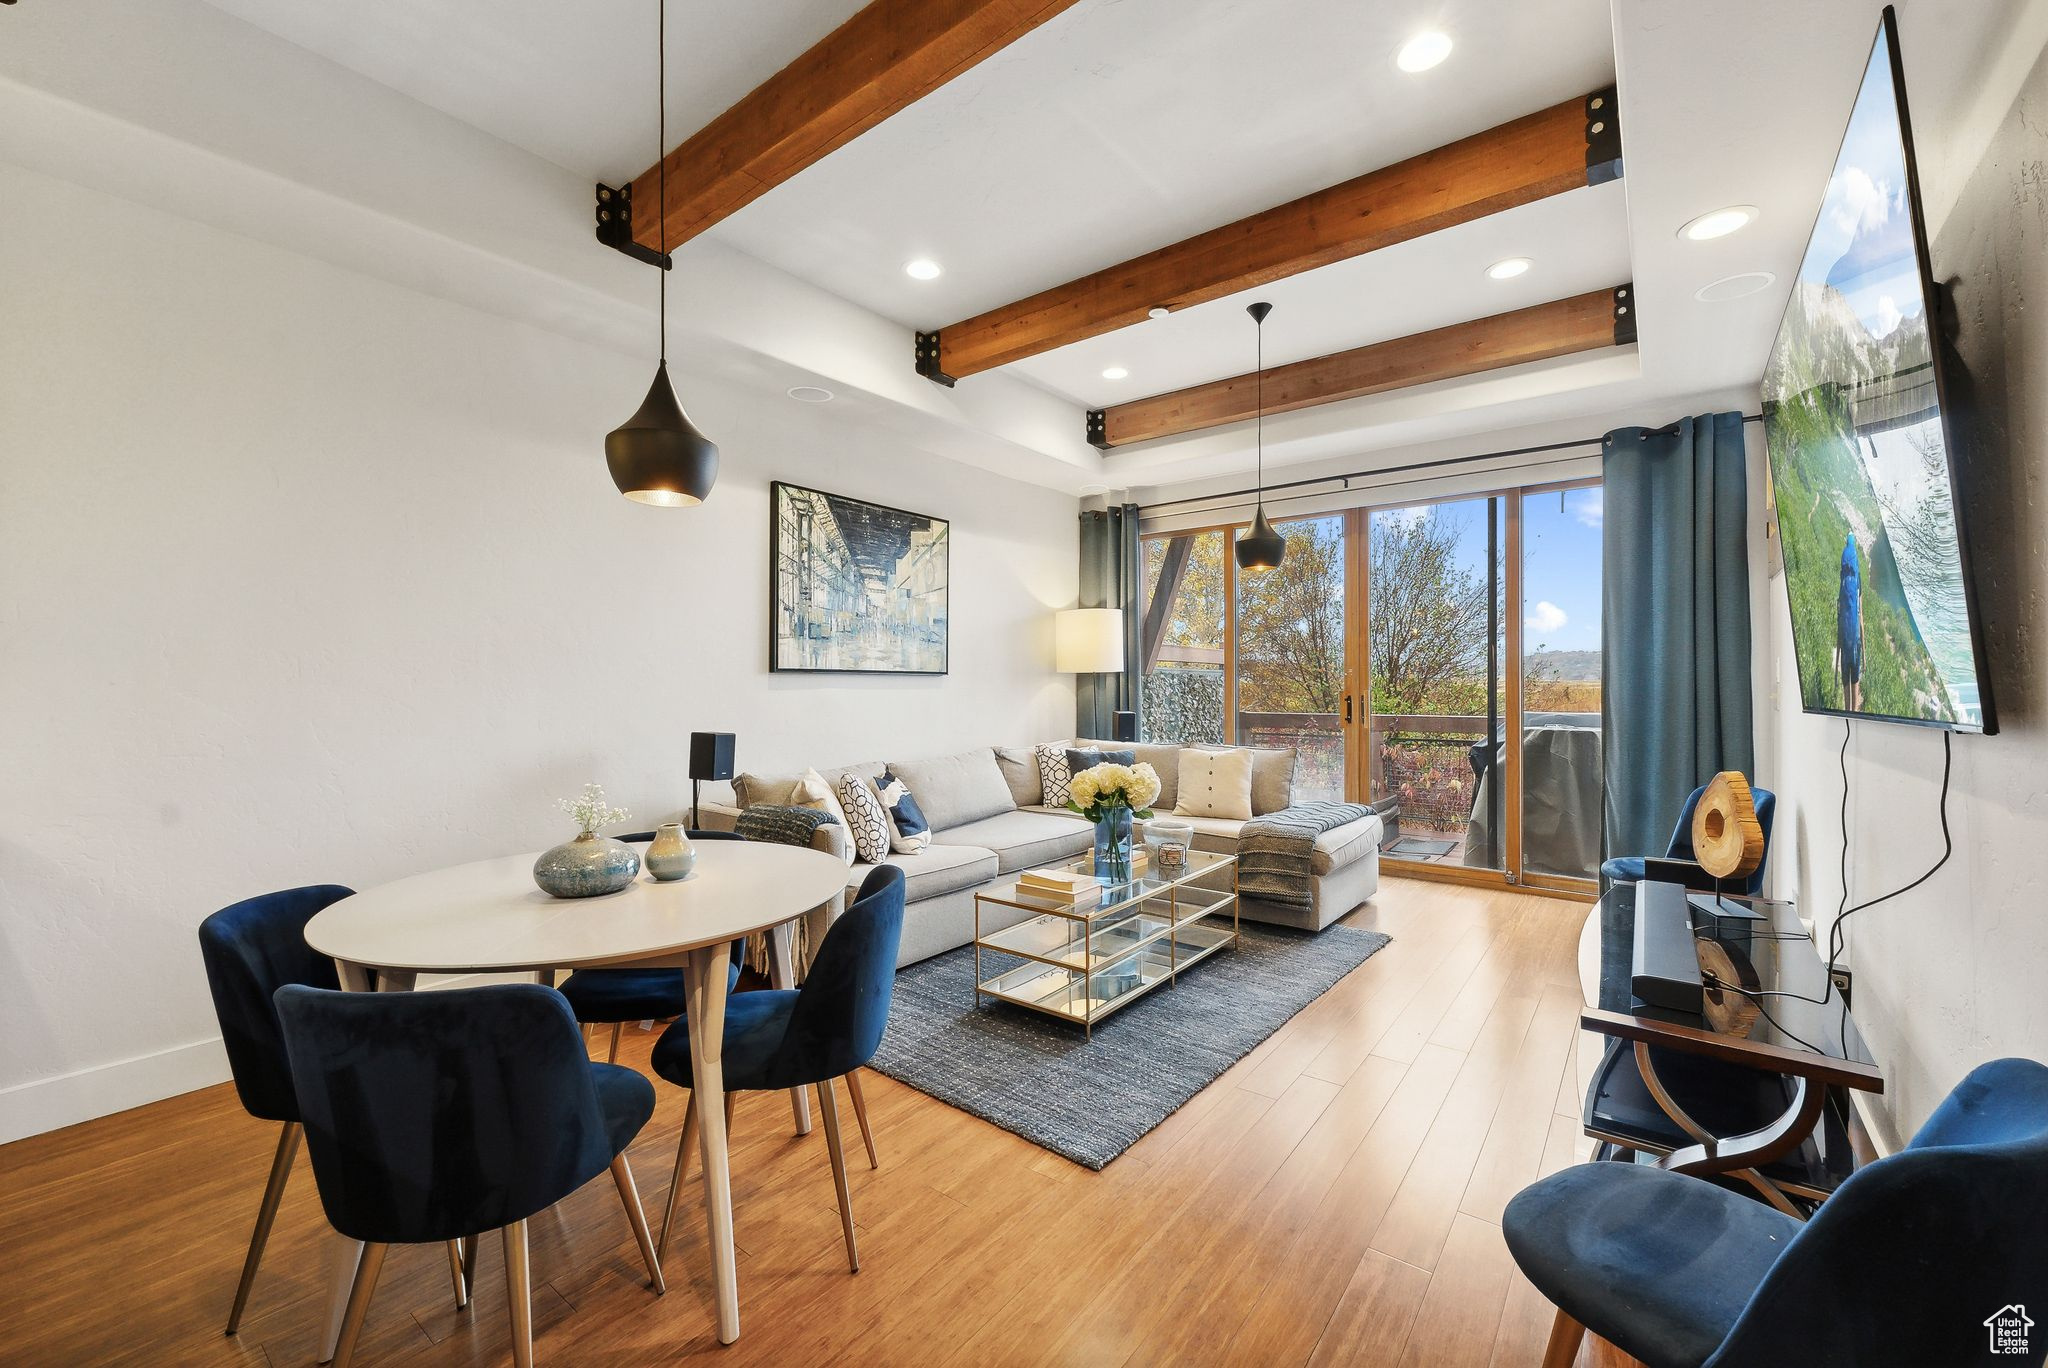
1060,886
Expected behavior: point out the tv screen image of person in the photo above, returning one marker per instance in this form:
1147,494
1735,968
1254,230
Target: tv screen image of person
1883,624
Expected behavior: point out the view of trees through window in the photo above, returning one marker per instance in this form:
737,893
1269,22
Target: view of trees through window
1434,631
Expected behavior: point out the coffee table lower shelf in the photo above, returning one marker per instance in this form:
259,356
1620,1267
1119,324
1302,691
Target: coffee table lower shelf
1075,994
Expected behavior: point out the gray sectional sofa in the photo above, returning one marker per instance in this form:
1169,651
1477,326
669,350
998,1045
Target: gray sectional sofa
989,820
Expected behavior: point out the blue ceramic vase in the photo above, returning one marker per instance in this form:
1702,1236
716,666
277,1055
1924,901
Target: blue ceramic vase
586,867
1113,845
671,856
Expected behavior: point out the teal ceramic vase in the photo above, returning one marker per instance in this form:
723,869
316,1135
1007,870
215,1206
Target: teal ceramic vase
671,856
587,867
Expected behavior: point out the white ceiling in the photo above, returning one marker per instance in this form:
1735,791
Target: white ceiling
1124,125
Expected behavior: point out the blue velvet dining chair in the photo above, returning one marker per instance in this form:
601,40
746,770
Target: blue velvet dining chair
250,950
437,1116
613,997
791,1039
1897,1270
1630,868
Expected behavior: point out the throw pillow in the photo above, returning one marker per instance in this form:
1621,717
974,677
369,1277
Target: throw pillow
865,818
912,833
1079,759
1215,784
1053,774
1020,772
812,791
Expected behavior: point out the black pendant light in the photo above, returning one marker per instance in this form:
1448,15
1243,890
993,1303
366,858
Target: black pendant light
1262,547
657,456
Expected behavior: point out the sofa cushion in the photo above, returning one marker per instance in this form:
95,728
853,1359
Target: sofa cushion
867,820
1088,757
956,789
1053,774
936,870
754,790
911,830
1164,760
1023,840
1272,779
1215,784
813,790
1019,765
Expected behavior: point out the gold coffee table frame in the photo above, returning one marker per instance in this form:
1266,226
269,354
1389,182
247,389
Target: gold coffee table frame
1082,963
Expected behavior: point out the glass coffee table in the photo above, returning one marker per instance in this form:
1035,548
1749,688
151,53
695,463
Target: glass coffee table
1083,962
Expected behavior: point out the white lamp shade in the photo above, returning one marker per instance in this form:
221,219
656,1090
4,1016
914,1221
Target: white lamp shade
1089,641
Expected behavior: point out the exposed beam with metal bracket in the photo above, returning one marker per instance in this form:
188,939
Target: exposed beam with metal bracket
1587,322
614,210
1562,148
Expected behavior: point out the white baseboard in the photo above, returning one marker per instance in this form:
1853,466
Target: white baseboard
47,1104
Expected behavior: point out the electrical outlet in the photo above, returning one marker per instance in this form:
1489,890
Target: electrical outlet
1840,978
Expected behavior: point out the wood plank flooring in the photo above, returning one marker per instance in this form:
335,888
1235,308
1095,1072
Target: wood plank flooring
1334,1198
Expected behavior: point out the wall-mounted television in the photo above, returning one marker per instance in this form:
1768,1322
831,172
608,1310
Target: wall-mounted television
1863,462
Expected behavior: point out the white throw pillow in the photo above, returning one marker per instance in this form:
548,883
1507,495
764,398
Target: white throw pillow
1215,784
1053,773
812,791
865,819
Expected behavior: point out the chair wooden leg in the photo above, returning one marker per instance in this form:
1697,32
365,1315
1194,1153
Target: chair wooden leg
1563,1348
675,1185
860,1114
469,1245
611,1056
828,1107
359,1303
636,1216
266,1216
519,1294
730,1099
455,1272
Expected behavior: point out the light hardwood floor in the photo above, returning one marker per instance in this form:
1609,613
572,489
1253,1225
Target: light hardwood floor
1335,1197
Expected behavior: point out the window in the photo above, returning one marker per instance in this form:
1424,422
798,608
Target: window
1182,638
1291,652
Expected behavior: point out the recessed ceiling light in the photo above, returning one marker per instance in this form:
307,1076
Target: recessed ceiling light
924,268
1423,51
1509,268
1719,223
810,394
1735,287
1115,373
1157,311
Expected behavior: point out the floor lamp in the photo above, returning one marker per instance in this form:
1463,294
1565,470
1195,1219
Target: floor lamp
1090,641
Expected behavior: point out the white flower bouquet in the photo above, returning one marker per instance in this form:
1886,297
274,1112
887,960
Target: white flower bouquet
1100,789
590,810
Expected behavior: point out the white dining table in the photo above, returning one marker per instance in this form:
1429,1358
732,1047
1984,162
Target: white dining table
488,917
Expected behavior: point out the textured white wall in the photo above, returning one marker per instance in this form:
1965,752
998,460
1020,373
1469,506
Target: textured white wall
305,576
1951,974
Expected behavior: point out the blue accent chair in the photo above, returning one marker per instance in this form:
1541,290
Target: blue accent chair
613,997
1629,868
824,1030
437,1116
1897,1270
250,951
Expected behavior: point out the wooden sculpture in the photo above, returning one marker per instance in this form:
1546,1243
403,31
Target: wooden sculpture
1727,839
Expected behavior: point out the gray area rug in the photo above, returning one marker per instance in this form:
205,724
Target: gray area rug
1091,1100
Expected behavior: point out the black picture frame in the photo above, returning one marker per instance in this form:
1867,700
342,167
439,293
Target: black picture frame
805,634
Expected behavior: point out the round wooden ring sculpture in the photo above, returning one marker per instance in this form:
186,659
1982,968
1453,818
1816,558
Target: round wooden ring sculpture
1727,839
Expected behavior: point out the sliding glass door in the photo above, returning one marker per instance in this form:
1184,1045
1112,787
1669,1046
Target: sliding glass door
1438,660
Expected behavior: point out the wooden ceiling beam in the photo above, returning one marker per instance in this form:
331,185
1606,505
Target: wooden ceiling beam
1587,322
1547,153
883,59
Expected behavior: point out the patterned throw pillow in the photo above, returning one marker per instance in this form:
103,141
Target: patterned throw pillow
1053,772
865,819
912,832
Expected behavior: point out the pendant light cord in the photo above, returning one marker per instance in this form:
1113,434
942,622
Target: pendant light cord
661,156
1260,386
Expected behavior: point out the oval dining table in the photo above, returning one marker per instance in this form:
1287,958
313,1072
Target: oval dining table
489,918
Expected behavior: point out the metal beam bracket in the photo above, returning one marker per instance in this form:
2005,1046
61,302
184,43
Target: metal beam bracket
1603,137
928,359
1624,314
1098,429
614,210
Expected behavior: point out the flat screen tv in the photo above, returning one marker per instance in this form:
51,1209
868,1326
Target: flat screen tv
1884,623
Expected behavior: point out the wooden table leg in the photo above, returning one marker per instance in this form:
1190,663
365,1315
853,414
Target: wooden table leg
707,970
782,973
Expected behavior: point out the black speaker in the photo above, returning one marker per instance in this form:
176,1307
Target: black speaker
711,755
1126,726
710,758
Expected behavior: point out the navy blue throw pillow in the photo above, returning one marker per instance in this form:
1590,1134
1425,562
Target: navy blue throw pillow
913,832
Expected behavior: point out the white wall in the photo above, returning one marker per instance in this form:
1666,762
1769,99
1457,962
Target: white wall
307,576
1953,973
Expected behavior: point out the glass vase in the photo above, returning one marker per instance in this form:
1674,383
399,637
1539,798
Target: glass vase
1113,845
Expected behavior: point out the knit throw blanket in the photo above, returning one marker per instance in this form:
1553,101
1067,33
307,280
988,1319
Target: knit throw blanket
1273,852
782,826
